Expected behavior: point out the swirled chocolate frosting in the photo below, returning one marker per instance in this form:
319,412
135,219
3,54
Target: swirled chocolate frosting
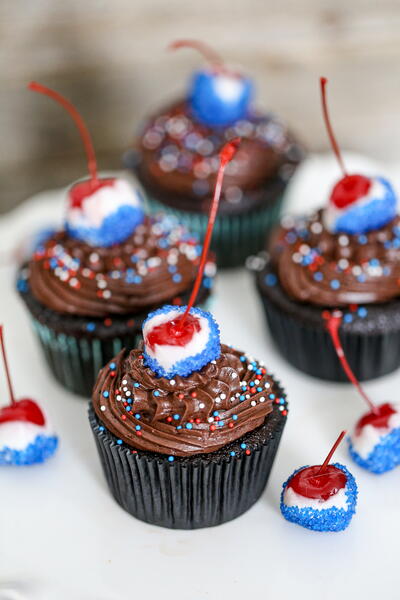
336,269
185,415
178,157
156,263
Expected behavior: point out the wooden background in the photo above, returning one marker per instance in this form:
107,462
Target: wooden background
109,58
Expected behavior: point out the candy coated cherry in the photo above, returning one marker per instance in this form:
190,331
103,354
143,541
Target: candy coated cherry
23,410
349,189
378,418
172,334
83,189
318,486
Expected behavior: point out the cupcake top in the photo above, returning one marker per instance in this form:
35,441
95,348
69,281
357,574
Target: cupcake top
325,268
156,262
183,415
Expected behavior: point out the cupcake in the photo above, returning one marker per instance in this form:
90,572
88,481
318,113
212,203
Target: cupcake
176,159
343,261
89,286
187,428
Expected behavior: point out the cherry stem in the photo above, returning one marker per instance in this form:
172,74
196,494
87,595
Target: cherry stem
331,452
332,325
205,50
83,130
6,368
226,154
332,139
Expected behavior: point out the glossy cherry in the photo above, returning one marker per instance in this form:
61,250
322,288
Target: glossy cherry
351,187
319,482
18,410
174,333
86,188
378,418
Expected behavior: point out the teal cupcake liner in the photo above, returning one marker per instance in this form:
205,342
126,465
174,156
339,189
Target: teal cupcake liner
75,361
235,237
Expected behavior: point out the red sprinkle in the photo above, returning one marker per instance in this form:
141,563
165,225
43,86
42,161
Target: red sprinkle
213,427
107,322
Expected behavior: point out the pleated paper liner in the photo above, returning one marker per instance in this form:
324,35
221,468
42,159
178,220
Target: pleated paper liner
371,344
190,492
235,237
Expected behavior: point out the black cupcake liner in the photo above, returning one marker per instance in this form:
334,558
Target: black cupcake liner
190,492
371,343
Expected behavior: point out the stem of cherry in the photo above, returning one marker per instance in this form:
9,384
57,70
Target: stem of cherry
205,50
83,130
6,367
331,453
334,144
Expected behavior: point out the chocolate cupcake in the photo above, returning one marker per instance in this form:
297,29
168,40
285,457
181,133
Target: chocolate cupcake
342,261
90,286
176,161
186,428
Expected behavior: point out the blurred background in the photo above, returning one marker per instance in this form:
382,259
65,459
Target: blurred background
110,59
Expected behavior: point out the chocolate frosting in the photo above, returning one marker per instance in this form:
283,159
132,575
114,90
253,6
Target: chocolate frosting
178,157
185,415
155,264
336,270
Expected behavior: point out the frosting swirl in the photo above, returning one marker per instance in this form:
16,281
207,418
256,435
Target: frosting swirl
178,157
337,270
156,263
185,415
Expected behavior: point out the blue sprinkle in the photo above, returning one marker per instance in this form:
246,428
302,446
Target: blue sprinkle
112,366
362,312
272,396
119,442
243,358
361,278
189,426
243,446
215,413
137,279
221,423
128,408
137,416
172,268
362,239
258,372
171,458
136,385
374,262
176,417
235,417
101,428
106,394
129,400
259,389
177,278
281,400
179,427
270,279
242,397
156,393
232,453
318,276
138,427
335,284
348,318
91,326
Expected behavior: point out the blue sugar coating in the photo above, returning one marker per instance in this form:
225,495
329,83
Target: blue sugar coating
193,363
384,457
324,519
213,108
42,448
115,228
358,219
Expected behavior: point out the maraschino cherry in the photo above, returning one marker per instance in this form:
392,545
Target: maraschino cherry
18,410
351,187
385,453
101,211
319,482
160,330
218,96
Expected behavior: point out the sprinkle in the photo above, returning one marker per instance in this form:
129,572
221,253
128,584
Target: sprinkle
172,381
112,366
243,446
189,426
101,428
91,326
102,408
156,393
215,413
119,442
270,279
362,312
235,417
171,458
106,394
335,284
176,417
138,427
232,453
202,405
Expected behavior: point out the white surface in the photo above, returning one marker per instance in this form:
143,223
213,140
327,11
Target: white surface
62,536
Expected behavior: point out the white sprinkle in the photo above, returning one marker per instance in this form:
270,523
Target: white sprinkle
210,419
125,389
253,403
234,375
94,257
101,283
124,382
262,399
217,400
316,227
343,240
297,258
106,294
127,393
119,397
172,381
247,396
304,249
250,367
267,384
102,408
202,405
222,396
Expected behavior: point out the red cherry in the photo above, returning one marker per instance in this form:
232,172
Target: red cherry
83,189
349,189
22,410
174,332
312,483
378,418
